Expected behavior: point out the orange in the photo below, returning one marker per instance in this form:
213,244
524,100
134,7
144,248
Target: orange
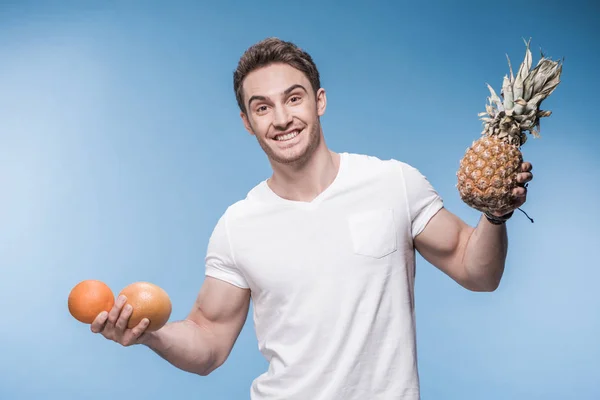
88,299
148,301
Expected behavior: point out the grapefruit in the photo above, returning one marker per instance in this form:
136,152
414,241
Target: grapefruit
148,301
88,299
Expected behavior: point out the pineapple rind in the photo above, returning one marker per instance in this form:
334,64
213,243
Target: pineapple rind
487,175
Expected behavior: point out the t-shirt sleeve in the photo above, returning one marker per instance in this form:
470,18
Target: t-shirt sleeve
220,260
423,200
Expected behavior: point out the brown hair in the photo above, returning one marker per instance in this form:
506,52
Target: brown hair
269,51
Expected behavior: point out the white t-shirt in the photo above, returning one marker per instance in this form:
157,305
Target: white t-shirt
332,281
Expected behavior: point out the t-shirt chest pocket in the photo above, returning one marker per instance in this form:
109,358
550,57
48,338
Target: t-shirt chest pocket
373,232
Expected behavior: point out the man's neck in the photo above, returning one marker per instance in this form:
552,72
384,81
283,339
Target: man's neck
307,181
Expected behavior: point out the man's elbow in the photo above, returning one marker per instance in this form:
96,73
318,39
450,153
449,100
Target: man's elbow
484,284
485,288
213,366
481,282
207,371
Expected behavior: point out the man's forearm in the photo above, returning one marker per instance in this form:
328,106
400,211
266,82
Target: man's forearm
485,255
185,345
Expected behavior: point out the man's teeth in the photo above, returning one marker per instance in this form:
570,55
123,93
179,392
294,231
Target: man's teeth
287,136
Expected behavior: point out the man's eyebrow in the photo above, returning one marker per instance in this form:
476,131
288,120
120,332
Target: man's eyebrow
294,87
286,91
255,97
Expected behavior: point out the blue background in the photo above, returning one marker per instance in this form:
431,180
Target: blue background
121,145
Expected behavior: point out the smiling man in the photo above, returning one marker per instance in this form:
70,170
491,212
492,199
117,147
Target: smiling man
325,248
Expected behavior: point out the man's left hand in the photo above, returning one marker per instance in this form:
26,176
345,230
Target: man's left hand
520,192
523,178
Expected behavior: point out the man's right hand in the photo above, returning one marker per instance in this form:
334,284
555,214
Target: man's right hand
198,344
113,324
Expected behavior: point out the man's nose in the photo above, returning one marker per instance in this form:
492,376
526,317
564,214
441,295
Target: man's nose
282,118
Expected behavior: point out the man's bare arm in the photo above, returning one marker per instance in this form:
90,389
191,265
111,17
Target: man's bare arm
202,342
473,257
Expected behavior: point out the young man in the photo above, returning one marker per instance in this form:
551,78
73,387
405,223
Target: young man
326,250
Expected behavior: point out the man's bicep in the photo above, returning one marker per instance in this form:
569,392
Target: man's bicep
221,309
442,243
220,302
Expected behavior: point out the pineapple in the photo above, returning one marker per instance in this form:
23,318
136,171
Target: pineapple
488,171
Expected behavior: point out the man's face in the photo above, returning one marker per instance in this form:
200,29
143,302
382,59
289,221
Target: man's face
282,112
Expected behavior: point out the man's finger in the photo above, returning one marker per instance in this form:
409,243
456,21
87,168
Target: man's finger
114,313
526,166
98,324
524,177
121,324
520,192
134,334
141,327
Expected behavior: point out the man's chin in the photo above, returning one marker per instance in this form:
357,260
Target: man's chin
288,157
287,160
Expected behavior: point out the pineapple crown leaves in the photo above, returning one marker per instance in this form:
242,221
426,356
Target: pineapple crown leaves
517,109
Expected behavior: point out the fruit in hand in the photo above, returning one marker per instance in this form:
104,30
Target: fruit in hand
88,299
488,171
148,301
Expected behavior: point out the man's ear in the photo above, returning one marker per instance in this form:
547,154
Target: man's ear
246,122
321,102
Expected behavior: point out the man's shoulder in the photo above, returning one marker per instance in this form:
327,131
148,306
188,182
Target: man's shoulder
375,164
243,205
